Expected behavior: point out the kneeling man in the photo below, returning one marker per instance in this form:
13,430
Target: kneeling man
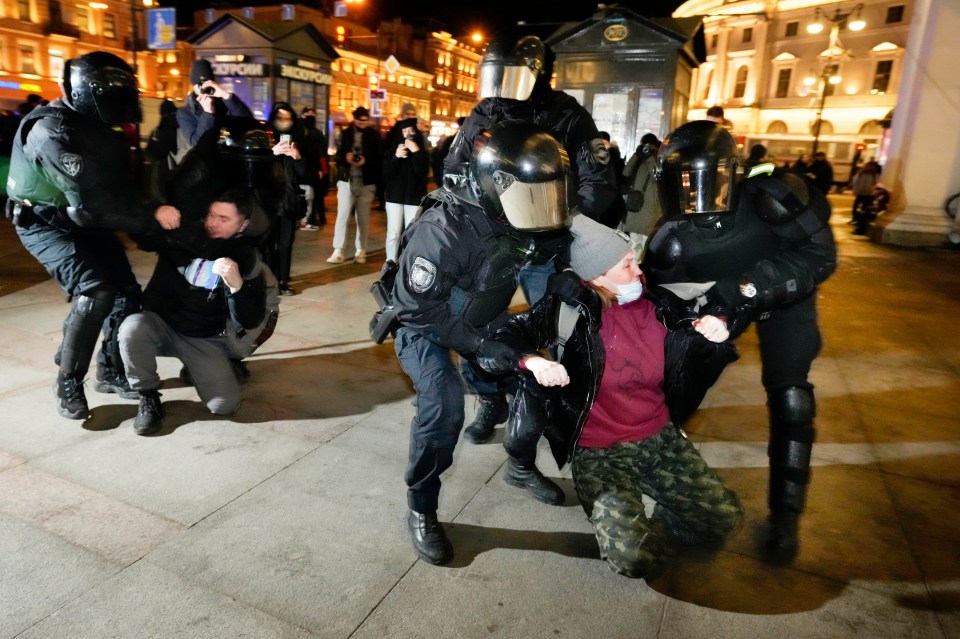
205,281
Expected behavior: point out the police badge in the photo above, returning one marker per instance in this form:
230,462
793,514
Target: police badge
72,164
422,275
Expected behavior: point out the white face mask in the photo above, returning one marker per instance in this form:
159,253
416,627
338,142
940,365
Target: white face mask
626,293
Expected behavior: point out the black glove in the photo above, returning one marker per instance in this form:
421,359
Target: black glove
567,285
495,357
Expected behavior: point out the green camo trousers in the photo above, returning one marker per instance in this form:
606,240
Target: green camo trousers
693,505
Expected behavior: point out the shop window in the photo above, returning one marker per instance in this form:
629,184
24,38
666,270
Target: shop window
792,29
895,14
783,83
171,57
881,77
740,86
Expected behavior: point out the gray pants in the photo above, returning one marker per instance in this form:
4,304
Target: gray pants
349,195
145,336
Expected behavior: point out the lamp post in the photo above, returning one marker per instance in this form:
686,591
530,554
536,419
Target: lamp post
835,50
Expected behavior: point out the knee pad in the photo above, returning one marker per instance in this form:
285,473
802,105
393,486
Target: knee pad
96,302
791,407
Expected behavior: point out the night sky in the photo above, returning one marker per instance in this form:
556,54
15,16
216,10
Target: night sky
460,17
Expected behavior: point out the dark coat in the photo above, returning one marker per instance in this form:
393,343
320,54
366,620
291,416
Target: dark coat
405,179
371,148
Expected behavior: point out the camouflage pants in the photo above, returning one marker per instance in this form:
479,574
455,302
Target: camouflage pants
693,506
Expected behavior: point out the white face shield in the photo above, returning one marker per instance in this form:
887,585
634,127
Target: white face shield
537,206
510,82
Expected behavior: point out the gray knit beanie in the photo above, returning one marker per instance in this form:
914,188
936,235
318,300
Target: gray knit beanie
596,248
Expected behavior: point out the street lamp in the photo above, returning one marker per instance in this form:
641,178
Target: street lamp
828,75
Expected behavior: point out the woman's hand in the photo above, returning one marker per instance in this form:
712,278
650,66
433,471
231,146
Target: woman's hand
713,328
546,372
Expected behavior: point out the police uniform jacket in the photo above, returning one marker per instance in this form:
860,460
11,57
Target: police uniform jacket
779,240
452,283
75,171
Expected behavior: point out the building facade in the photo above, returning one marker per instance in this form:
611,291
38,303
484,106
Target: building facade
788,88
38,36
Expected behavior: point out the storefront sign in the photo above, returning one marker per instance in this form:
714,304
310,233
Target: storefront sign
305,75
238,68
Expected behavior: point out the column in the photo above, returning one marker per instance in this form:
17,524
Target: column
923,159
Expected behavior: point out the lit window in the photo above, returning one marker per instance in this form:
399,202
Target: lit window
740,87
881,77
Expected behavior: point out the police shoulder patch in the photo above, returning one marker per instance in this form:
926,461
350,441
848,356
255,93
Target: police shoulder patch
72,164
423,273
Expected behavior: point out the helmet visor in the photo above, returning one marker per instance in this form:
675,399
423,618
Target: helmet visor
538,206
510,82
709,191
116,96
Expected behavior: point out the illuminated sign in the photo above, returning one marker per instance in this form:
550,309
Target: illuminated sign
238,68
305,75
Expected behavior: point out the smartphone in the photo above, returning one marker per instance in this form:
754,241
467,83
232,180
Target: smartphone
285,137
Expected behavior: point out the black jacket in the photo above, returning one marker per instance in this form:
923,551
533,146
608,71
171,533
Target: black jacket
692,365
371,148
405,179
444,264
572,126
195,311
75,171
290,203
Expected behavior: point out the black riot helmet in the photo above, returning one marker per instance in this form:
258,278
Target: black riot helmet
520,175
511,67
248,151
699,171
101,85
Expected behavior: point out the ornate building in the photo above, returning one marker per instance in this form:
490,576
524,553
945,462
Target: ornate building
788,86
38,36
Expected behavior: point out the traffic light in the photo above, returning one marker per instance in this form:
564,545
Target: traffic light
341,34
374,82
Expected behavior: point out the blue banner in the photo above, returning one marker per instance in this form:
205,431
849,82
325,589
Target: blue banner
162,28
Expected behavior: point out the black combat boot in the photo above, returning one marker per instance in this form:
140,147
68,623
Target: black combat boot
491,410
113,381
149,414
527,475
783,540
71,400
429,540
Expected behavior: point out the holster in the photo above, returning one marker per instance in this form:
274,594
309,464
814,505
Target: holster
383,324
20,213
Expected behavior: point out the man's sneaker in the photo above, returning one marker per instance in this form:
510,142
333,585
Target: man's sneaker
149,414
360,257
429,541
337,257
71,401
111,381
491,410
529,476
308,227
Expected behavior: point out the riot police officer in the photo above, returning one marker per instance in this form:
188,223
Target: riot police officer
70,188
457,275
766,242
514,81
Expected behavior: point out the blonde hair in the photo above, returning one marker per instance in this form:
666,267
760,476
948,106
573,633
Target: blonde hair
606,297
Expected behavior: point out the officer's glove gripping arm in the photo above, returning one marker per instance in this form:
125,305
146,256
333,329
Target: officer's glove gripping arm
496,357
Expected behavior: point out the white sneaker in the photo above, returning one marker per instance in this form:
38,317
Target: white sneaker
337,257
360,258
